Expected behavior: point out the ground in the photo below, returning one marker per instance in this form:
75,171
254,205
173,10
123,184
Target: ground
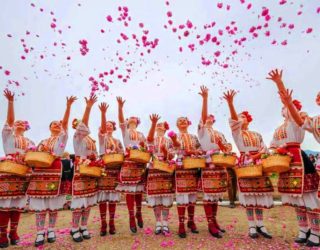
280,221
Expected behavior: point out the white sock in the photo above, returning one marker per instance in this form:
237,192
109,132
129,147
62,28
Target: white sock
51,234
165,223
40,236
252,223
158,224
302,232
76,235
314,238
252,230
86,232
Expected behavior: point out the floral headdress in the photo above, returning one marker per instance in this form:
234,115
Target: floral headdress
247,115
113,124
26,125
165,124
212,116
297,104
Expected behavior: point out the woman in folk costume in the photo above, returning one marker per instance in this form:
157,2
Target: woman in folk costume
213,178
132,174
186,180
298,186
107,183
255,194
45,189
84,188
160,192
12,187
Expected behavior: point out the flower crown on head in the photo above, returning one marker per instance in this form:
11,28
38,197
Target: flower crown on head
26,125
247,115
75,123
135,118
297,104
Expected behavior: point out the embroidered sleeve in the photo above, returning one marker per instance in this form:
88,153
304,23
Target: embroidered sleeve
7,132
200,129
196,142
120,147
235,126
124,129
307,125
81,132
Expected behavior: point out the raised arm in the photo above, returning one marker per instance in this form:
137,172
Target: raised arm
10,114
92,100
204,112
120,109
276,76
65,120
154,120
286,98
228,96
103,108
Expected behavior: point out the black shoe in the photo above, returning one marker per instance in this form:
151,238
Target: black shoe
311,243
133,229
222,230
232,205
182,235
158,230
216,235
253,235
51,239
103,233
39,243
78,239
4,245
265,235
86,237
303,240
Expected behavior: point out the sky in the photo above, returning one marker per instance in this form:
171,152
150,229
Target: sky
42,63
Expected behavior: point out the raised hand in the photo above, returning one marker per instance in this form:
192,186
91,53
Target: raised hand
204,91
286,96
71,100
275,75
120,101
229,95
92,100
154,118
9,95
103,107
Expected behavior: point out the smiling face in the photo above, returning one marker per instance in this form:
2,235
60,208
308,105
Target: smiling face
109,127
182,123
132,123
56,127
210,120
244,120
318,99
19,127
160,129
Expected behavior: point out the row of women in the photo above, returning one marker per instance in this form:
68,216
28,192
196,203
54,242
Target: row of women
46,191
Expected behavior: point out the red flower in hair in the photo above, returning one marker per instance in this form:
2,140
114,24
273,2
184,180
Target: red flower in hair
297,104
247,115
113,125
166,125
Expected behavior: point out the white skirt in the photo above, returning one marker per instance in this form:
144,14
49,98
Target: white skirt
256,200
78,203
13,203
108,196
185,199
165,201
125,188
212,197
43,204
308,200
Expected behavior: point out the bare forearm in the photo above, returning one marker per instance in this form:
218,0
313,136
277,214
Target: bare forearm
10,114
86,115
65,119
233,112
103,122
295,114
152,130
204,112
120,115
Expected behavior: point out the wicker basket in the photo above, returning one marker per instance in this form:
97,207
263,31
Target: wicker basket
249,171
39,159
190,163
113,159
226,161
276,164
163,166
90,171
139,156
10,167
